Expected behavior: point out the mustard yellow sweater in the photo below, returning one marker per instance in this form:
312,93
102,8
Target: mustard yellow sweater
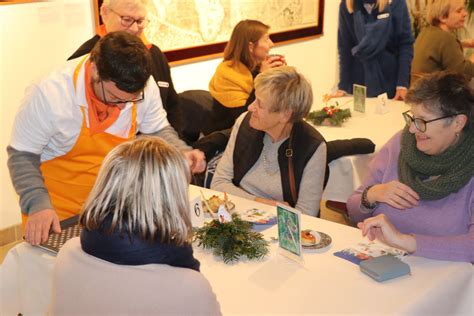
231,84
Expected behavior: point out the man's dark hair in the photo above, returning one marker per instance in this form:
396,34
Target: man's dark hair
123,59
444,93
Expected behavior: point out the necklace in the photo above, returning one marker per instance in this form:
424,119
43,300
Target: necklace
268,165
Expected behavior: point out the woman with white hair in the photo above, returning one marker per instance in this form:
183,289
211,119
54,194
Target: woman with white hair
437,47
134,253
273,154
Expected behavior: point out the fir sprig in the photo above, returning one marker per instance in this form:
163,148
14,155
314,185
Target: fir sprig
232,240
329,115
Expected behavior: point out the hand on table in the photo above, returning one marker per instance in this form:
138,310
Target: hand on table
379,227
272,62
394,193
400,94
39,224
196,160
337,94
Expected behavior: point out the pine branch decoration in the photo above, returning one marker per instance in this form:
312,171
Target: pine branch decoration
329,115
232,240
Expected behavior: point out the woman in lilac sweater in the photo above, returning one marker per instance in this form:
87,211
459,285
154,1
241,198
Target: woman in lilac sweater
419,192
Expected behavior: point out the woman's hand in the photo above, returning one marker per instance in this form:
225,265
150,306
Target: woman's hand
468,43
400,94
272,62
394,193
337,94
379,227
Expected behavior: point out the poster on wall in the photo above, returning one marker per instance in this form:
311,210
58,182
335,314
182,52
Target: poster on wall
187,29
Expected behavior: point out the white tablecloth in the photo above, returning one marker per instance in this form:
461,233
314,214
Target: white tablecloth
276,285
348,172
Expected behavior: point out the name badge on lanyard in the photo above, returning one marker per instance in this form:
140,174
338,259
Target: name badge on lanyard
163,84
383,16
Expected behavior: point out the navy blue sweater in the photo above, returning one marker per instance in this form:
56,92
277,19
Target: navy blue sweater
393,59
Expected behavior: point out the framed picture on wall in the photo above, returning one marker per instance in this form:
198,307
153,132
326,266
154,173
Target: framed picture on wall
189,29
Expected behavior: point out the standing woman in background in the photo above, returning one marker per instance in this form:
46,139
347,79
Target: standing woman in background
375,45
437,47
232,87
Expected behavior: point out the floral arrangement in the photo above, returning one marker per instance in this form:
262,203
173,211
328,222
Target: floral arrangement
231,240
331,115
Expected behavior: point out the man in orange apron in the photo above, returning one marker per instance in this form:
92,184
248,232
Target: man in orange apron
70,120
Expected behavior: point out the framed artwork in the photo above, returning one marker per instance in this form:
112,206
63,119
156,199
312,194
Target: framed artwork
289,232
189,29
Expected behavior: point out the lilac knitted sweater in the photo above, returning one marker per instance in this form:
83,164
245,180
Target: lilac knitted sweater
444,229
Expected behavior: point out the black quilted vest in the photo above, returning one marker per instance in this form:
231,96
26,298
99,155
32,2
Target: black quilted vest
249,144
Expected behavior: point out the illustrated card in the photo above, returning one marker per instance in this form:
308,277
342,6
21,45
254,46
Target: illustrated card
359,97
368,250
289,232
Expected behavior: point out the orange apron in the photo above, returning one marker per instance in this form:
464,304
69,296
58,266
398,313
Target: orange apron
70,178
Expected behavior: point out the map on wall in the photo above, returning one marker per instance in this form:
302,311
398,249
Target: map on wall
190,23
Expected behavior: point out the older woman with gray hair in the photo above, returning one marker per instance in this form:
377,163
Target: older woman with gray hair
272,154
419,193
134,253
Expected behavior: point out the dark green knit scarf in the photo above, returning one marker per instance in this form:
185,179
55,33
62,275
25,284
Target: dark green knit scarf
455,167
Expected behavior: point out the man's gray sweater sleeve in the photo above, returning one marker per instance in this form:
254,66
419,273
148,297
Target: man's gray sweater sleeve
169,134
28,181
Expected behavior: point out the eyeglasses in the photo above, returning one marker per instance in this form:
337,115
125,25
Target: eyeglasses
128,21
140,98
420,124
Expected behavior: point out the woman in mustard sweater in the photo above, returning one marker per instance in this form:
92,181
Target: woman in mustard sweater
232,87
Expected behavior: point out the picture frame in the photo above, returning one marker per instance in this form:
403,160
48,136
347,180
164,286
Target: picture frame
289,232
211,48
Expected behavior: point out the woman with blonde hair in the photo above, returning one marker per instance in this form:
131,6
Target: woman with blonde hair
245,56
135,240
437,47
375,45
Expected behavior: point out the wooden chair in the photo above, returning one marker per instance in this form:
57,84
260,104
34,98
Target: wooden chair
340,208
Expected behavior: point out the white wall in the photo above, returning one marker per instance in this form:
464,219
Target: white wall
37,37
34,38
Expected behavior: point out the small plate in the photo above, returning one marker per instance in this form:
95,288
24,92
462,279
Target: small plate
216,205
322,240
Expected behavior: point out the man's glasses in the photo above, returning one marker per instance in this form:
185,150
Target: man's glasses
140,98
128,21
420,124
